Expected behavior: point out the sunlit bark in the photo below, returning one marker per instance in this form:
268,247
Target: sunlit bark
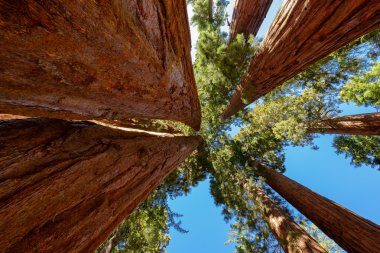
360,124
350,231
288,233
248,16
302,33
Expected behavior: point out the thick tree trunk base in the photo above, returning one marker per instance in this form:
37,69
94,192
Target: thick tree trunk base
64,186
97,59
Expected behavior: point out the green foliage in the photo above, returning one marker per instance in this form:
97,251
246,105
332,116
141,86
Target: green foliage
219,65
145,230
201,17
363,150
231,173
329,245
288,116
248,240
278,120
363,90
249,231
192,171
314,94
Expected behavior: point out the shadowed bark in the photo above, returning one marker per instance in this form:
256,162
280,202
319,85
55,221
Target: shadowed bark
248,16
302,33
97,59
64,186
350,231
210,10
288,233
360,124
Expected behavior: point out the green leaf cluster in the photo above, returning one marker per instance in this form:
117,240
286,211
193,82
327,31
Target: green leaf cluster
364,89
363,150
278,120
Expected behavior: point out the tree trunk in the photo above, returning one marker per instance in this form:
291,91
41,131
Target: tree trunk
360,124
210,9
248,16
302,33
288,233
350,231
11,116
64,186
97,59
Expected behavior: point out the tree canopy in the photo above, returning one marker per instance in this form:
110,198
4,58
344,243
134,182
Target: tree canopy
276,121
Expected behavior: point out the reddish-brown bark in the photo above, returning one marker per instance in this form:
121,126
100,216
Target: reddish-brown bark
248,16
302,33
11,116
288,233
360,124
349,230
64,186
97,59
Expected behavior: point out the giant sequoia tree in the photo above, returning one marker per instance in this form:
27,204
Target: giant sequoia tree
360,124
314,96
97,59
64,186
363,90
215,65
352,232
291,236
248,16
124,59
89,176
302,33
147,228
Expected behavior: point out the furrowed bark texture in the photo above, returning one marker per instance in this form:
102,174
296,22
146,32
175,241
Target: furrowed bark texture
350,231
64,186
288,233
303,32
97,59
248,16
360,124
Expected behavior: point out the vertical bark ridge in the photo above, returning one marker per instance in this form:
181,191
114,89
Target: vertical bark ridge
64,186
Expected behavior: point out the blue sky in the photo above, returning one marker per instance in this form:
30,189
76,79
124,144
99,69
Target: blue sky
322,171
